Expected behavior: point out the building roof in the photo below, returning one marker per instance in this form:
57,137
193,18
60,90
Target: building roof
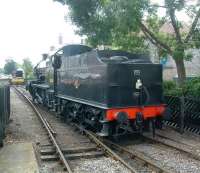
168,28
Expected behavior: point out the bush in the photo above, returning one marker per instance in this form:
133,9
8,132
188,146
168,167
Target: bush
191,88
170,88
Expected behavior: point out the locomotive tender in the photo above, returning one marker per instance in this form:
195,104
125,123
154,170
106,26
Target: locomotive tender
113,92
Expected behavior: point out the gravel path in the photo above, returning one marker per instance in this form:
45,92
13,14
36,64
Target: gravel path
24,125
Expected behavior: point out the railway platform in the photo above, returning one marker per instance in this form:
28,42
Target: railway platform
18,158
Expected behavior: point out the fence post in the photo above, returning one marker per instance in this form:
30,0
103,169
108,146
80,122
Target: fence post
182,116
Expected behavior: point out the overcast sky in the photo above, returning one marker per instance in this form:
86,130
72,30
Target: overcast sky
29,28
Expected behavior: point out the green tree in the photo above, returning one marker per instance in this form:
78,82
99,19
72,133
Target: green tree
1,70
10,66
96,20
113,22
28,68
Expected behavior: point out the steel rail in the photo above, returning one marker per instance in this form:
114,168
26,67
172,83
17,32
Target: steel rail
89,134
50,128
138,155
46,125
188,150
106,148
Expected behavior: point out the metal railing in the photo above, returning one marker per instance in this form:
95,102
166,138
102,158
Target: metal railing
185,113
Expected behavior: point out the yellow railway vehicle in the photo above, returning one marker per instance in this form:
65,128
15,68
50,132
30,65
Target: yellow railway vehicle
18,77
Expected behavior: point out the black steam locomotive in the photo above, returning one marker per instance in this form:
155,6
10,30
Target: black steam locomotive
112,92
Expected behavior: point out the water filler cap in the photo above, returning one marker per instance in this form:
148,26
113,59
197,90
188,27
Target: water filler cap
138,84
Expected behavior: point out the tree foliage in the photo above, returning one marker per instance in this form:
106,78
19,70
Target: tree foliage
1,70
127,24
99,21
10,66
191,88
28,68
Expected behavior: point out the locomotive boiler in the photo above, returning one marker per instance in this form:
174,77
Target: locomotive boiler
109,91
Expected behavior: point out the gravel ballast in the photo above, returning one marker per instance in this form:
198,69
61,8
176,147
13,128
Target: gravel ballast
169,158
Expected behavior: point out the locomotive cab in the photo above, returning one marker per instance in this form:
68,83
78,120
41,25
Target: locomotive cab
41,88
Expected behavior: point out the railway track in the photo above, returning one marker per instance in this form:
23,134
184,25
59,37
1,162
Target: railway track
136,156
189,150
133,160
49,131
162,139
61,153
